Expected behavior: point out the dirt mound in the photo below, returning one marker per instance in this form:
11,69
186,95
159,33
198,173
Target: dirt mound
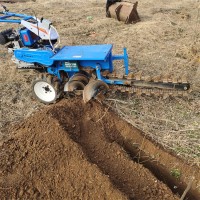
67,151
165,41
41,161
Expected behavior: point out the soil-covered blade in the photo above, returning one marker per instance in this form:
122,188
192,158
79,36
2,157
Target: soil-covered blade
94,88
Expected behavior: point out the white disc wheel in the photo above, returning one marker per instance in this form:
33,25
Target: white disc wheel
46,90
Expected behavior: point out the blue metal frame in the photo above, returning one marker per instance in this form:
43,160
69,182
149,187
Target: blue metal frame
40,56
55,62
115,81
98,57
7,15
97,63
123,57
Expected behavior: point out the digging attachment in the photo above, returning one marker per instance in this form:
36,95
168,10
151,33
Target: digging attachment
124,11
94,89
74,86
163,85
80,77
76,83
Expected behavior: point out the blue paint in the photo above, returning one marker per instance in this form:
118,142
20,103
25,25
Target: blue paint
39,56
70,59
7,15
87,52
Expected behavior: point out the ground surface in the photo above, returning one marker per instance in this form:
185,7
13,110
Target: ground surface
70,152
165,41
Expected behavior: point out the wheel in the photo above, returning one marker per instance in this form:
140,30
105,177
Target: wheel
46,88
2,39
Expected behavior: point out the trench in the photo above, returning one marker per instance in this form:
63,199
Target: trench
159,172
106,147
157,169
140,157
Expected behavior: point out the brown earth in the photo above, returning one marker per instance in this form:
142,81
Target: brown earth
165,41
66,151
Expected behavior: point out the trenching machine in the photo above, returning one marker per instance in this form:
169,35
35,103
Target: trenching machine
87,69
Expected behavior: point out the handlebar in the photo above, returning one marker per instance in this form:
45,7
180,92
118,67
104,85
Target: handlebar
4,7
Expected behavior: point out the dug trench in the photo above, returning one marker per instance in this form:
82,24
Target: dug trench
73,150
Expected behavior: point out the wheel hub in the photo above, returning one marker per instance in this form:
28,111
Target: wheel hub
47,89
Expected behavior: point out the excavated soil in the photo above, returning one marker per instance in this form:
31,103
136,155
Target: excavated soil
68,151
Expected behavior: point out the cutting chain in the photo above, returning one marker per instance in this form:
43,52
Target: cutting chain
162,85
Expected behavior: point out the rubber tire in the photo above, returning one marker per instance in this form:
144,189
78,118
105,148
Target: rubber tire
2,40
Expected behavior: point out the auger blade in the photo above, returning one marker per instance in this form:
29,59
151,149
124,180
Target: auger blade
93,88
80,77
72,86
